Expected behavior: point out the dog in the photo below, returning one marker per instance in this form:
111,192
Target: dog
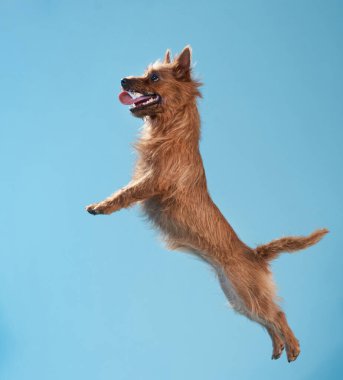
170,184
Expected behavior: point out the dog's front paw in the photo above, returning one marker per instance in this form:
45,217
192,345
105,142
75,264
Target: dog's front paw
94,209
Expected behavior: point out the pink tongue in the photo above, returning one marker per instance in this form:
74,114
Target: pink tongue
127,99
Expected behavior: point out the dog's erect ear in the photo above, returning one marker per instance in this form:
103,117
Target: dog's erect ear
183,63
167,57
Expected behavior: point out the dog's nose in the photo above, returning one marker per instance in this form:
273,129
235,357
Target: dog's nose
123,82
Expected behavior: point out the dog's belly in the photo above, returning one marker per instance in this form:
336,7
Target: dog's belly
176,234
230,292
178,237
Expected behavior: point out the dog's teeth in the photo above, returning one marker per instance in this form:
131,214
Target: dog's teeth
151,99
135,95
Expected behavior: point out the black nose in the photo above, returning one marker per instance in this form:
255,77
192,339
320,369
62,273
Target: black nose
123,82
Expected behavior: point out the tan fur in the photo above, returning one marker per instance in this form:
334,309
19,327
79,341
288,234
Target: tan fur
170,184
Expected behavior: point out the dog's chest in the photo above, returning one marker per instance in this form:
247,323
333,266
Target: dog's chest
161,215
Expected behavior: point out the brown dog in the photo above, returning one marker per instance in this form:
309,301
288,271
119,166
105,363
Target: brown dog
169,181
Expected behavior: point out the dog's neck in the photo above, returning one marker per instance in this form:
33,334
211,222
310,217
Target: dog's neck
174,125
169,134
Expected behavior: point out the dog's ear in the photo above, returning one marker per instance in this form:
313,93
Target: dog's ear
183,64
167,57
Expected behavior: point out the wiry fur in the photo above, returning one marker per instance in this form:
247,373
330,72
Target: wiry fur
169,181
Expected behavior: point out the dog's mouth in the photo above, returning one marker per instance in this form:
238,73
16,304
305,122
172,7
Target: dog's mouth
137,100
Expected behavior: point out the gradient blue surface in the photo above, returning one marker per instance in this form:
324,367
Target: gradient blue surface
85,297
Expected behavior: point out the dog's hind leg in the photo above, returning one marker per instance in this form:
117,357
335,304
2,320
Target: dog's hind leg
279,331
252,294
292,343
269,315
278,344
274,320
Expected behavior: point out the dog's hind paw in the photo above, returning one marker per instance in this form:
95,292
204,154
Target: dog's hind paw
277,351
292,353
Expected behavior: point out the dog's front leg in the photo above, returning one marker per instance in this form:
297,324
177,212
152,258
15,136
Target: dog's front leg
134,192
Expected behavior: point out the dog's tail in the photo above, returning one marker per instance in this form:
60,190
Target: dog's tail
273,249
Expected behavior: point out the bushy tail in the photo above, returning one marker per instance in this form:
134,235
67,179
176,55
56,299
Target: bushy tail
273,249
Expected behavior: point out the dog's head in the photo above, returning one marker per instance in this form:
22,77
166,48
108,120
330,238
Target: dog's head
164,87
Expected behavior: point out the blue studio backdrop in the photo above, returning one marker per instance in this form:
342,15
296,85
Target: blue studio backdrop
85,297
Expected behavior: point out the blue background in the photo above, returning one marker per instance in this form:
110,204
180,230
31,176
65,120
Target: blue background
85,297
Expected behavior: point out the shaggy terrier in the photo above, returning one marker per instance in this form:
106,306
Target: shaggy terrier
170,184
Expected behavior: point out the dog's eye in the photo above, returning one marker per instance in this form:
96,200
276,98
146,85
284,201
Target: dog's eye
154,77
